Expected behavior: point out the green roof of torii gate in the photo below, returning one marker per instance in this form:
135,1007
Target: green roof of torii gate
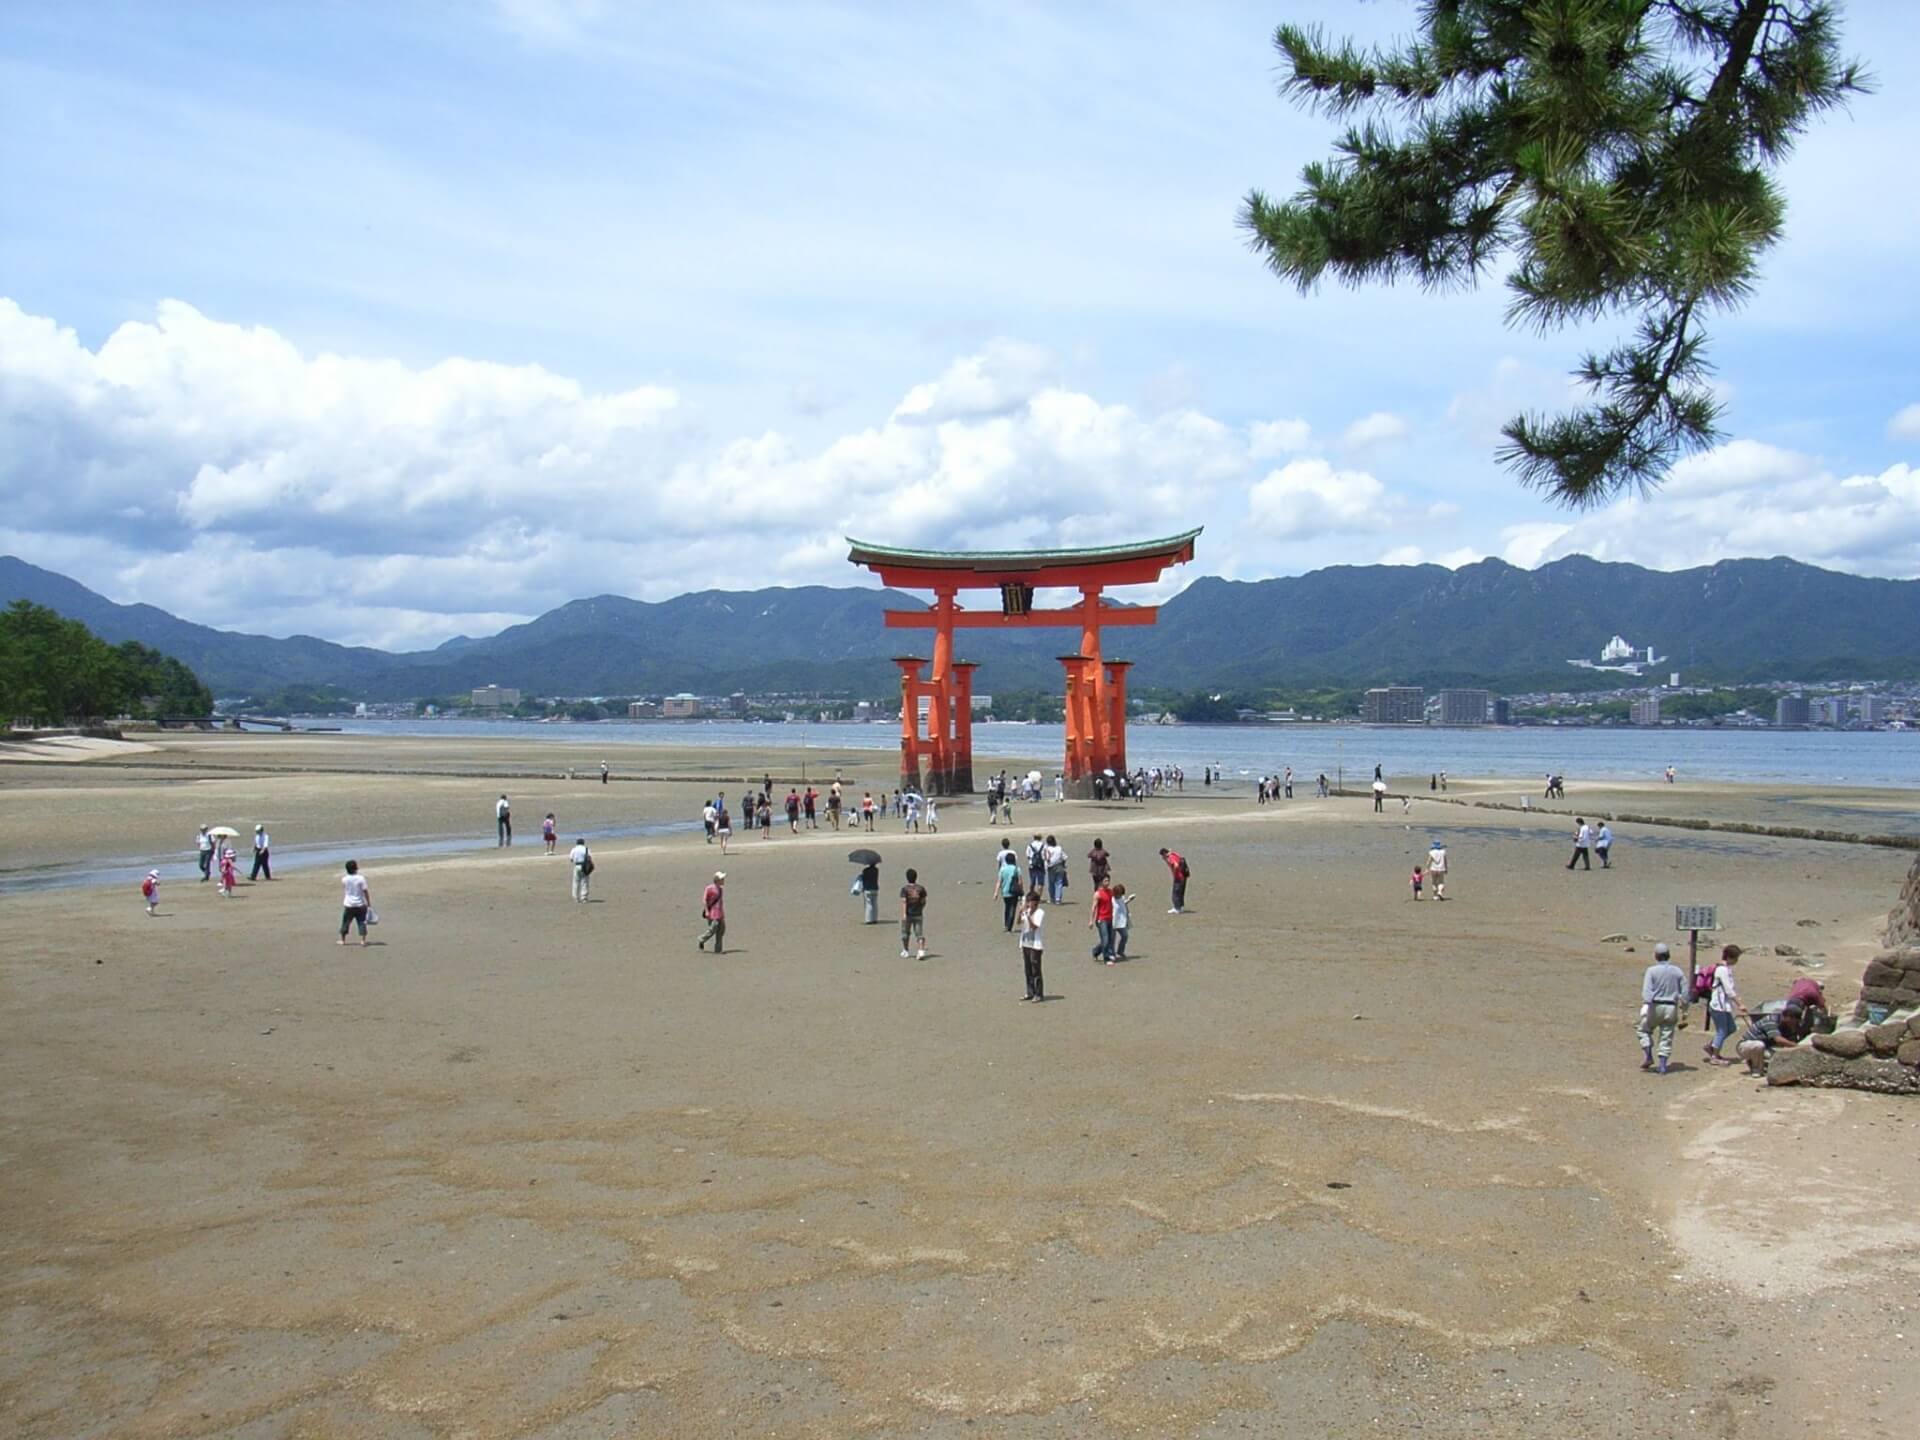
1167,550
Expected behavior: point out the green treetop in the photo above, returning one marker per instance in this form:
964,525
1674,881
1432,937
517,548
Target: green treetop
1622,150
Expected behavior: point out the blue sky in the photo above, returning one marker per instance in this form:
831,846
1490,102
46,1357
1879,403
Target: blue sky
387,323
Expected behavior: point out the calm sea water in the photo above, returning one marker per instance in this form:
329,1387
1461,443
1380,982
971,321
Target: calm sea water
1881,759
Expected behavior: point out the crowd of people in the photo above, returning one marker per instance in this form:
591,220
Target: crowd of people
1666,992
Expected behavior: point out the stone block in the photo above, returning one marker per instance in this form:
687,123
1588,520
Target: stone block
1913,1026
1880,973
1909,1052
1847,1044
1803,1066
1885,1039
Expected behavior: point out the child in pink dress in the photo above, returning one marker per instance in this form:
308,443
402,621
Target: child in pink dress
1418,880
227,876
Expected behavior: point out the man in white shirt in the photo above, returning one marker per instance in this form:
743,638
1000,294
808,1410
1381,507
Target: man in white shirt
205,842
1437,869
1582,845
262,862
503,823
707,816
582,859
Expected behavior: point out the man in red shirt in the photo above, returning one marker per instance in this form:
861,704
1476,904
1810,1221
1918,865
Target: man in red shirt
1100,921
713,909
1177,864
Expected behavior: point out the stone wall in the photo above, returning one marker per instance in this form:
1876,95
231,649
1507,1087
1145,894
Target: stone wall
1903,921
1867,1055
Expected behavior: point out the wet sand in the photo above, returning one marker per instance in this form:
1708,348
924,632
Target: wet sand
1318,1161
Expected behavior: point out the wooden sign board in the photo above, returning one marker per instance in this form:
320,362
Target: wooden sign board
1696,917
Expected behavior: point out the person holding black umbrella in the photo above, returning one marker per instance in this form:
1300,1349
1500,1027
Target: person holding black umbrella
869,883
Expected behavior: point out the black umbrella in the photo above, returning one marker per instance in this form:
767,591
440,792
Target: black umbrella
865,857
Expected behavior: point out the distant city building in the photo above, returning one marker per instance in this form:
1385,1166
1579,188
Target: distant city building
737,702
1873,709
643,710
1792,710
1394,705
863,710
1827,710
983,702
1618,655
495,697
1645,712
680,707
1503,712
1673,679
1465,707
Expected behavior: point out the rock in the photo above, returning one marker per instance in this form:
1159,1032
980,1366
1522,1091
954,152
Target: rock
1885,1039
1809,962
1882,974
1802,1066
1847,1044
1619,937
1913,1027
1785,952
1909,1052
1807,924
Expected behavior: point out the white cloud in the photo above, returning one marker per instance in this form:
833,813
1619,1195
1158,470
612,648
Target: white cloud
1308,497
1743,499
1379,428
358,498
1268,438
1905,425
1414,555
1000,378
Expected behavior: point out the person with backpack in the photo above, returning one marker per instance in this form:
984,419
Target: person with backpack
1181,872
913,912
582,859
1054,857
1723,1003
1007,886
150,891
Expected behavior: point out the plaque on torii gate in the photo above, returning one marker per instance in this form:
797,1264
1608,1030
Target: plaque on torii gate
936,708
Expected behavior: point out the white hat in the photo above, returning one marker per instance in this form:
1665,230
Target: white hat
719,874
153,874
1660,951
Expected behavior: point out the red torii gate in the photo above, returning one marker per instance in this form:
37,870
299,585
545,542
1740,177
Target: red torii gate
939,754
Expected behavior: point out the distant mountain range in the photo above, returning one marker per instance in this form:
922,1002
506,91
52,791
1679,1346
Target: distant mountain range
1346,625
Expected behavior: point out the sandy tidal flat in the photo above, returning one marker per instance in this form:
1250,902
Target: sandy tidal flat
1317,1161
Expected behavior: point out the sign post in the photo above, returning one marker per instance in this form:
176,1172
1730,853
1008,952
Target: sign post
1693,919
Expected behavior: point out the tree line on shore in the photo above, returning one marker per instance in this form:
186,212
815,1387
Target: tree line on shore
54,670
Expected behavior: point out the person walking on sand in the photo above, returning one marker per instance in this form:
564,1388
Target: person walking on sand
723,825
866,810
204,842
933,816
1055,859
809,805
793,811
582,859
1582,845
229,872
356,902
1100,921
1007,886
1036,861
1122,920
1099,862
833,805
1603,845
1418,878
549,831
766,816
913,916
1033,942
502,823
1663,992
1379,795
1723,1005
150,891
1181,871
713,910
262,856
870,893
1437,869
603,772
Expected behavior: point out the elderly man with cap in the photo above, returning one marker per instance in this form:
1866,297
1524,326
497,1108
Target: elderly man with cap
1663,996
713,909
262,857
